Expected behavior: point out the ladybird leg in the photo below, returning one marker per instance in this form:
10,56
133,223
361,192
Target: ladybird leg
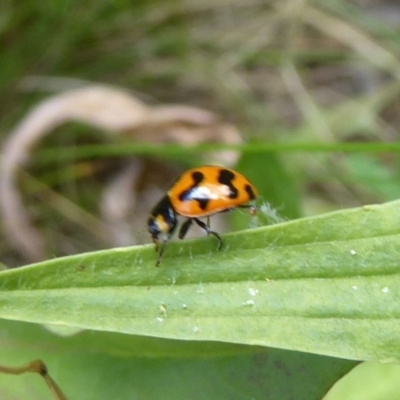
161,248
204,226
184,228
208,221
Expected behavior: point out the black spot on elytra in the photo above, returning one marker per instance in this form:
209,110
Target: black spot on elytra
187,194
198,177
203,203
250,192
226,177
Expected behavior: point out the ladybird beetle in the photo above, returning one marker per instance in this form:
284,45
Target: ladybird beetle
198,192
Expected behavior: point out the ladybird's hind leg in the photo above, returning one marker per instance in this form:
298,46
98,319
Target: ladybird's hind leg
204,226
208,224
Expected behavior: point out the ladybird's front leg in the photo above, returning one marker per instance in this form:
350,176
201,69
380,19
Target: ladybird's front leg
160,248
160,245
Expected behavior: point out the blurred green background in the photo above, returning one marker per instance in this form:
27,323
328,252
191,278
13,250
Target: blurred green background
286,73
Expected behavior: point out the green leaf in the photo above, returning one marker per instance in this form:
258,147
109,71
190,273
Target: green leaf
328,285
102,365
368,381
